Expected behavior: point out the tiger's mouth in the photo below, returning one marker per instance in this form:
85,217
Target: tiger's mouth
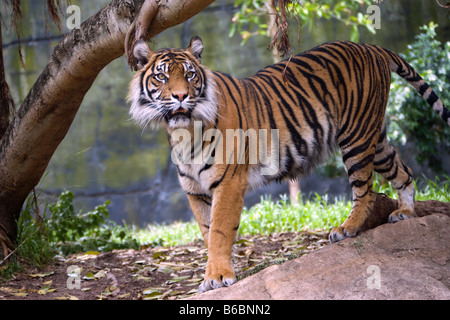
179,113
179,118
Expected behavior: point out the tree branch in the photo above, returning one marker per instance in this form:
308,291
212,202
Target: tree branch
139,29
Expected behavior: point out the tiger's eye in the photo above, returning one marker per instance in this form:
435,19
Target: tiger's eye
161,76
190,75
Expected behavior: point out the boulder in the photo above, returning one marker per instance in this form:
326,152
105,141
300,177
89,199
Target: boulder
406,260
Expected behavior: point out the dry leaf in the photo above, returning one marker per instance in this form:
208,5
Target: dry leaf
41,275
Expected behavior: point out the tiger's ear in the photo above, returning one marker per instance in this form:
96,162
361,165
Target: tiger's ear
142,53
196,48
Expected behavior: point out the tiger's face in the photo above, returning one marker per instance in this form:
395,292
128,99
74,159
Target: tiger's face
172,89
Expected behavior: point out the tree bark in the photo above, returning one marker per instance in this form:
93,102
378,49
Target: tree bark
6,101
47,112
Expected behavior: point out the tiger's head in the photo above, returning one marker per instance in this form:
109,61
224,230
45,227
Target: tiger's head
171,88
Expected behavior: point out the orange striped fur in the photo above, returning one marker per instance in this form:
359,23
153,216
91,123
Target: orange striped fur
332,96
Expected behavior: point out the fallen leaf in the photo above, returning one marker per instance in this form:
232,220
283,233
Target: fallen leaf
244,242
159,255
89,276
143,278
92,253
100,274
20,294
41,275
123,296
150,291
46,289
67,297
165,269
177,279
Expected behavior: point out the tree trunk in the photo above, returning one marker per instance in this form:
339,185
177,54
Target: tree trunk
6,101
52,103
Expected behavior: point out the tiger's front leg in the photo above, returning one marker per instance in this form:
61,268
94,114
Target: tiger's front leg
201,207
228,202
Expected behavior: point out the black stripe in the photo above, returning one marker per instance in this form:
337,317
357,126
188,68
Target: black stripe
184,174
199,195
394,175
423,88
414,78
432,98
389,157
358,183
358,149
299,142
232,80
216,183
267,101
337,48
445,113
202,197
360,164
205,167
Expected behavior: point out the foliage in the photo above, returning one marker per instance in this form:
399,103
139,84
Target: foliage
312,213
33,247
426,189
169,234
64,231
409,115
251,18
90,231
280,216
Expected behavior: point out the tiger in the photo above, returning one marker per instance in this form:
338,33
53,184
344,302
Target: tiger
332,97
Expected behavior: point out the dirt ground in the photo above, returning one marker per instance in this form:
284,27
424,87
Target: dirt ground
164,273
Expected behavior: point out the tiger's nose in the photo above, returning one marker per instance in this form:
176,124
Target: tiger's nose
180,96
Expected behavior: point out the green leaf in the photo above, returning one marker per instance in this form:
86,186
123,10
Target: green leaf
354,35
89,276
177,279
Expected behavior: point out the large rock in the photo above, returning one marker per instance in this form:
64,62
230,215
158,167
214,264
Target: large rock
406,260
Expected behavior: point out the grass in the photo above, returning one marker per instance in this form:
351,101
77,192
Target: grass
169,234
268,216
264,218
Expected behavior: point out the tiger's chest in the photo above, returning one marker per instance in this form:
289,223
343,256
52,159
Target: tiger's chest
196,178
200,178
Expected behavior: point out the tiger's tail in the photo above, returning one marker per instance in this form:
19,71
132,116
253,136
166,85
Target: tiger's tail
403,69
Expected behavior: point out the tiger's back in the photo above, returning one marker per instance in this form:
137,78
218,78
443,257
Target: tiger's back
294,113
315,100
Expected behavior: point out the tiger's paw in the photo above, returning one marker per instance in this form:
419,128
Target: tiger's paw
401,214
217,277
215,282
340,233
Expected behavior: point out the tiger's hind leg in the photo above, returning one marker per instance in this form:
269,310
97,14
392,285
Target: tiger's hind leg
389,165
358,160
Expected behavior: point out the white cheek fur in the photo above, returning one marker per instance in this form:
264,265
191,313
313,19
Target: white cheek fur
146,111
